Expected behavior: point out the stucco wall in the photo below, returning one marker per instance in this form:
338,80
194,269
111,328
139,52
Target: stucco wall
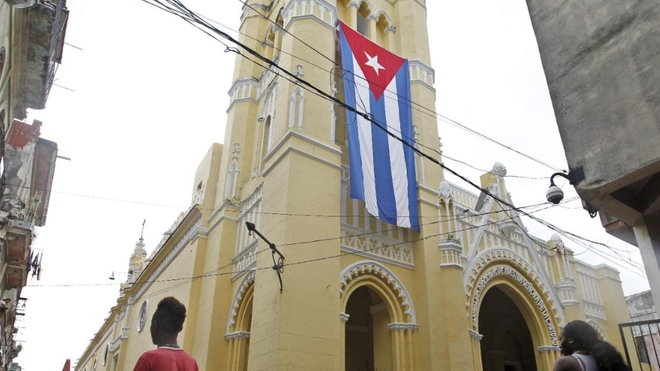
600,60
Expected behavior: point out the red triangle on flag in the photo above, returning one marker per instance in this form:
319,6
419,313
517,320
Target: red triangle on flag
378,64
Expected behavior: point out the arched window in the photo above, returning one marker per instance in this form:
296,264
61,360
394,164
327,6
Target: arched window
296,106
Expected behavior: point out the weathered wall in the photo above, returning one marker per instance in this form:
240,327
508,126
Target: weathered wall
600,60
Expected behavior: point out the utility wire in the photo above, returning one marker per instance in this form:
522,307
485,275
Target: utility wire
215,272
315,90
409,102
428,110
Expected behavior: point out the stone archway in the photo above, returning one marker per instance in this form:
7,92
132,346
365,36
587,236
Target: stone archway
239,325
378,319
530,299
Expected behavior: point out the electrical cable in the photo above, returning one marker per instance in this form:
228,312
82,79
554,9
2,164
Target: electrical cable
205,275
432,112
315,90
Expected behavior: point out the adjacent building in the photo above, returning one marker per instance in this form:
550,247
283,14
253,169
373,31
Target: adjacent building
645,328
601,63
31,40
473,290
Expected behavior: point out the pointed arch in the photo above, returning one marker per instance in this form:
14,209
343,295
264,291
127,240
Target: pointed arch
382,306
384,281
602,335
239,325
518,280
296,107
244,290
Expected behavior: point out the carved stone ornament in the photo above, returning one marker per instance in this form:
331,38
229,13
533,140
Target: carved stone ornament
354,4
445,190
524,283
238,299
475,335
403,326
381,272
238,335
498,169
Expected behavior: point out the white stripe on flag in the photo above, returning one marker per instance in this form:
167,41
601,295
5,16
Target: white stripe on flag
397,158
363,103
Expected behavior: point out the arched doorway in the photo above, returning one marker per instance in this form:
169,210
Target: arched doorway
378,321
239,326
507,342
368,342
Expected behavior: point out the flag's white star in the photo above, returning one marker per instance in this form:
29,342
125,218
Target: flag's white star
373,63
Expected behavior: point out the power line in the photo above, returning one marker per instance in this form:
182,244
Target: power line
215,272
111,199
315,90
428,110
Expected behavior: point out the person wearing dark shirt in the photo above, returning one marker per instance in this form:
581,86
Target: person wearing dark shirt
583,351
166,324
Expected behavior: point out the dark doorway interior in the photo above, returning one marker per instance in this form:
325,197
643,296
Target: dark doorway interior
507,343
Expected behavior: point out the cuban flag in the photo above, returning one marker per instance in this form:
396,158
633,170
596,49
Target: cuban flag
377,82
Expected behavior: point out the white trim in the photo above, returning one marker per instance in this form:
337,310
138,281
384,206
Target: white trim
238,299
384,274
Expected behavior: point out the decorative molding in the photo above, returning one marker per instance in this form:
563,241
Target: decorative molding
421,73
305,138
244,89
567,292
451,252
377,247
403,326
248,212
594,310
353,3
475,335
599,330
114,345
319,10
379,271
391,29
548,348
238,299
238,335
343,317
244,261
528,286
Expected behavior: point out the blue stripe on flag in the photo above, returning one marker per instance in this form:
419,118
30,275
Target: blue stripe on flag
405,113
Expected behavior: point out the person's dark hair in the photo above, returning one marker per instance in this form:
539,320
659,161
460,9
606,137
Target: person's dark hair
585,338
170,315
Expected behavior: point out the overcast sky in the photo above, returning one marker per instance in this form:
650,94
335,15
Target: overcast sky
150,95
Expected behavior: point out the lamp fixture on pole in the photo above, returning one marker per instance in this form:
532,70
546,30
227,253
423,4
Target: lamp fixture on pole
278,266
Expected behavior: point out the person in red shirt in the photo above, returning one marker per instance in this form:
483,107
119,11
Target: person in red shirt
166,324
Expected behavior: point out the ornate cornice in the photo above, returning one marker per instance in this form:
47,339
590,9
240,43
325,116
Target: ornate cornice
548,348
403,326
238,335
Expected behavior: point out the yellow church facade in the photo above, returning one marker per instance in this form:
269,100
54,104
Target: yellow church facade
471,291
